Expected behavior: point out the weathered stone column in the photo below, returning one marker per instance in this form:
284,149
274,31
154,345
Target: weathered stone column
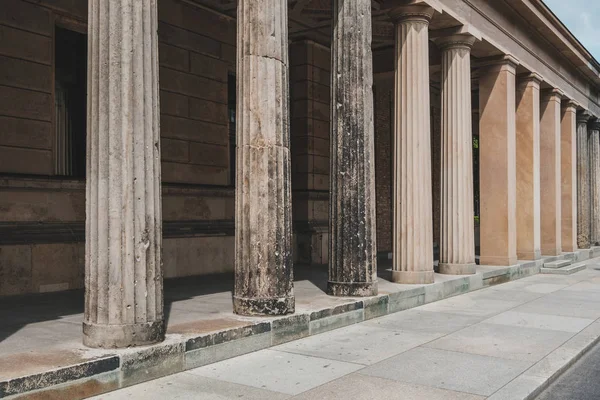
497,162
413,241
568,176
583,182
123,269
528,167
263,219
550,193
457,239
352,245
594,147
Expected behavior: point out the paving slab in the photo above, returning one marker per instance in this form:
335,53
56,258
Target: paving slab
277,371
360,387
449,370
419,320
503,341
540,321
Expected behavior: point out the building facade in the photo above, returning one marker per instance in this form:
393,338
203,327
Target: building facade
151,139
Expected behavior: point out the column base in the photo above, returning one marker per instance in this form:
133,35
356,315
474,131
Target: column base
263,306
352,289
413,277
120,336
457,269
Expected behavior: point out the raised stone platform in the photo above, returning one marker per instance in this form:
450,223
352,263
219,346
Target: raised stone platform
40,340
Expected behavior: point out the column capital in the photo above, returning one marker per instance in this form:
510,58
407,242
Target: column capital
412,12
456,41
552,94
570,105
503,61
594,125
583,117
530,77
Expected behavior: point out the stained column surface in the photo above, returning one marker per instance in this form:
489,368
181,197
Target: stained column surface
583,182
497,153
594,148
123,276
352,254
263,229
457,240
550,193
568,176
528,167
413,241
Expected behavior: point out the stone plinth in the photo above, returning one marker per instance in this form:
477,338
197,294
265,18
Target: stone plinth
550,194
528,167
594,148
457,242
123,269
263,231
583,182
352,245
568,176
497,160
413,241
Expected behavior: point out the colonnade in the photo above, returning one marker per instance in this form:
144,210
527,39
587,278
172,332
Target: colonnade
526,210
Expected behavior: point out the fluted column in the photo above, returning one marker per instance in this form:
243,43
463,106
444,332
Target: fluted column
263,228
528,167
457,239
550,193
568,176
413,240
123,276
594,148
352,245
497,162
583,182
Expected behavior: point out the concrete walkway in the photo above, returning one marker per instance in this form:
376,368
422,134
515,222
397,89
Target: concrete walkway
504,342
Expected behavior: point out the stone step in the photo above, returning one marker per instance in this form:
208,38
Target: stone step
557,264
571,269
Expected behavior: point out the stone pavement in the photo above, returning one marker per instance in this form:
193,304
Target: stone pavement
503,342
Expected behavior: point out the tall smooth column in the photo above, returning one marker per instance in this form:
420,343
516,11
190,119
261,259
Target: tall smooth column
550,174
528,167
263,218
497,163
352,245
568,176
457,239
123,269
594,147
583,182
413,240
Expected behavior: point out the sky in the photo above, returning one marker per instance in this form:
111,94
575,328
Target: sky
582,17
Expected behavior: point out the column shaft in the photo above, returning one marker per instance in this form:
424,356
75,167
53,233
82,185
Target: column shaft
353,253
123,276
263,230
413,242
550,193
528,167
594,147
568,177
457,239
497,160
583,183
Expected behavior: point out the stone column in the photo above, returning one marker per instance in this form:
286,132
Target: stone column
413,241
568,177
457,238
263,219
583,182
497,163
550,193
594,147
123,269
528,167
352,245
